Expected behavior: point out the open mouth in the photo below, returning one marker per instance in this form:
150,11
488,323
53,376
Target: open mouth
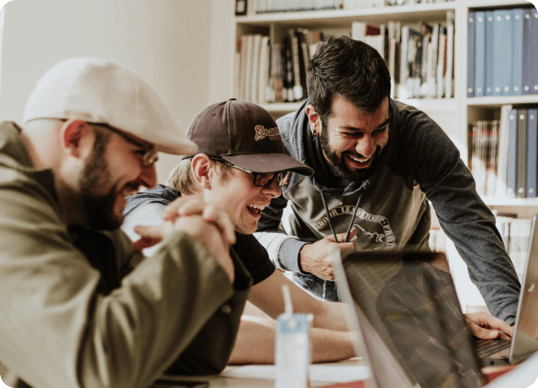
255,209
360,162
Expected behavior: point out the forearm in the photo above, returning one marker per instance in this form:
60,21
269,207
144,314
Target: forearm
256,343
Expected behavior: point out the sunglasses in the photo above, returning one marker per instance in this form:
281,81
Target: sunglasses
148,153
259,179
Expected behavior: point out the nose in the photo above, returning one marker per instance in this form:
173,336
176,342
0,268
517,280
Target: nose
273,189
148,177
365,146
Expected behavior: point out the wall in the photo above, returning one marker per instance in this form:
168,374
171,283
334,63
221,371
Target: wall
166,41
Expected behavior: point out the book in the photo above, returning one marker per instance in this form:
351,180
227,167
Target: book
527,54
521,161
297,87
511,166
489,52
502,63
277,75
449,71
402,91
255,71
500,190
243,67
470,53
263,80
480,54
432,76
532,153
441,62
534,72
518,15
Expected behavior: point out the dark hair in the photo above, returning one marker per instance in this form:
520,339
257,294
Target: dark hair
348,68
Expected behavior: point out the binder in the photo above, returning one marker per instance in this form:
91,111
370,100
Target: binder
521,160
502,64
527,53
470,53
511,166
534,67
490,52
518,15
480,54
532,152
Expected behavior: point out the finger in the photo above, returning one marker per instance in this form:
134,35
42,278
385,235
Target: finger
345,247
144,243
222,221
502,326
353,234
150,231
171,210
481,332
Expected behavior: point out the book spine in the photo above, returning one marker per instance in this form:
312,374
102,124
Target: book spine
470,53
521,160
517,51
480,54
490,53
532,153
527,54
511,166
534,38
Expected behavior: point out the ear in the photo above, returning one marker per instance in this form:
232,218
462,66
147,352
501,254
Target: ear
313,119
76,137
202,168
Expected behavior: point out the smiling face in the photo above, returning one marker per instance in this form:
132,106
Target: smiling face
352,141
234,193
113,171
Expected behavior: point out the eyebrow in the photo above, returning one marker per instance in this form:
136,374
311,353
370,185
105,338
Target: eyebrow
383,124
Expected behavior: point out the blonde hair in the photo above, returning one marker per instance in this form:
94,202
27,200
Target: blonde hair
181,178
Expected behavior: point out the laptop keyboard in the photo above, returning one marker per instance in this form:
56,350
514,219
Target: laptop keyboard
485,347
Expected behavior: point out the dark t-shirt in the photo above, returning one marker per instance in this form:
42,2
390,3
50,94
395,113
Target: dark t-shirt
145,208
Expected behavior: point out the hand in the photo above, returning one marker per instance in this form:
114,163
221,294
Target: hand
150,235
315,257
485,326
183,206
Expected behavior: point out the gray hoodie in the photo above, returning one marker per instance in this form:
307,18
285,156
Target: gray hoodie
390,209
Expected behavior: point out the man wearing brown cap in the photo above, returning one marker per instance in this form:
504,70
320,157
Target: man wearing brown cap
238,168
79,306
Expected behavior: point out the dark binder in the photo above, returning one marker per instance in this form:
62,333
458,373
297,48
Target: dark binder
470,53
532,152
527,52
521,159
518,15
480,54
511,156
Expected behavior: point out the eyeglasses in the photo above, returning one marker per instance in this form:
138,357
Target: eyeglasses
148,153
259,179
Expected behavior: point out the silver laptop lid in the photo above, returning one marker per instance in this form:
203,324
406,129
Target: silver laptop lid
407,308
525,341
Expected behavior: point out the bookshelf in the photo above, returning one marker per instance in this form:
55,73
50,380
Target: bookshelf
453,114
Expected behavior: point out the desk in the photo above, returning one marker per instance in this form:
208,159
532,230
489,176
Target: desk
243,376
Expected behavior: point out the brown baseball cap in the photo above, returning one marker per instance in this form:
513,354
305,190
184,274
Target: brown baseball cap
243,134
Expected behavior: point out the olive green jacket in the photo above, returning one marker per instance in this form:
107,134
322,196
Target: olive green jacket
81,308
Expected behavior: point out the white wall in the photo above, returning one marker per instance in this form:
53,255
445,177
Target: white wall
167,42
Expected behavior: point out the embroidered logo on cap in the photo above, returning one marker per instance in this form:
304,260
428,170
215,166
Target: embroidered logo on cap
262,133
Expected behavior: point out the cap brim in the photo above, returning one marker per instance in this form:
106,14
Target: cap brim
185,147
267,163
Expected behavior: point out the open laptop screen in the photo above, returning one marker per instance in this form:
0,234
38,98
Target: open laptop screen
410,301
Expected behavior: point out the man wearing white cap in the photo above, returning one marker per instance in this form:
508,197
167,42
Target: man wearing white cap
79,306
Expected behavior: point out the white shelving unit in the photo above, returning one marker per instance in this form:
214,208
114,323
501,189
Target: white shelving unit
452,114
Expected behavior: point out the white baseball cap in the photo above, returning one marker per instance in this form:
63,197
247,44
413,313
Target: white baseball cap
103,92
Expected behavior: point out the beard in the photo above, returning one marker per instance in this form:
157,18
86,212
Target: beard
356,175
99,207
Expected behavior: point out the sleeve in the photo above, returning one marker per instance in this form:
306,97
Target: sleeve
462,214
56,330
148,213
254,257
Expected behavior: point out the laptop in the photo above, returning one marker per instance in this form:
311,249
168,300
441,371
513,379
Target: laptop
525,339
407,319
